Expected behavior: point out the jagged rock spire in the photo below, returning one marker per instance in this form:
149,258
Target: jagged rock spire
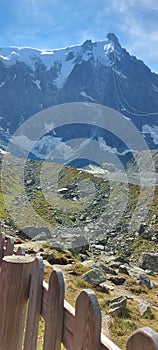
112,37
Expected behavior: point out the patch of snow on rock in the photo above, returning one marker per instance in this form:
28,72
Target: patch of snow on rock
153,131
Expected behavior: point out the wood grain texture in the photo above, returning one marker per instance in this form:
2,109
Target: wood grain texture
9,246
20,251
44,299
34,306
2,243
143,339
87,327
54,312
14,290
107,344
68,328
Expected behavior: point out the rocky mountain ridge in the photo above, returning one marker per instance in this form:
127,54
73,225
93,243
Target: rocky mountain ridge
95,72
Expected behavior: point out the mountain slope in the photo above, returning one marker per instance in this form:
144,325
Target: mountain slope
102,72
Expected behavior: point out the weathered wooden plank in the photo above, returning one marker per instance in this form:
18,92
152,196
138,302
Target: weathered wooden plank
107,344
2,243
54,312
69,317
68,328
14,291
87,326
69,313
143,339
9,246
20,251
44,299
68,339
34,305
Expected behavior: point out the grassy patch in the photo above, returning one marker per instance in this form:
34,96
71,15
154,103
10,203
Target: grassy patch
122,327
78,269
141,245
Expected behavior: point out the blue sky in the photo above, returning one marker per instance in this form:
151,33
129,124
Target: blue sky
49,24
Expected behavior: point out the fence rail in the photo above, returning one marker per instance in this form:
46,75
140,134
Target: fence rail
21,280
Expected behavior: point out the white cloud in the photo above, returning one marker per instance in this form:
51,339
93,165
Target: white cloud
86,34
122,5
143,43
151,4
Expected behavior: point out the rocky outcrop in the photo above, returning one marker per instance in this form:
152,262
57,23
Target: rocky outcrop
94,276
74,241
118,280
35,233
144,280
144,309
117,305
150,261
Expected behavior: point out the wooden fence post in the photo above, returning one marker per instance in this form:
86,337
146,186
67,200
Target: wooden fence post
2,243
9,246
14,292
54,312
34,305
143,339
20,251
87,327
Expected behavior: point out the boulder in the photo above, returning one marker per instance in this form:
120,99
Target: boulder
83,257
135,271
30,232
107,286
76,243
106,269
115,301
43,236
144,309
144,281
150,261
123,269
94,276
114,264
117,305
52,259
122,260
118,280
69,238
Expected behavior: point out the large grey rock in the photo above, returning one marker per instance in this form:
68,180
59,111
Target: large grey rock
123,269
114,264
34,233
150,261
144,281
53,259
106,269
72,240
117,305
94,276
43,236
144,308
118,280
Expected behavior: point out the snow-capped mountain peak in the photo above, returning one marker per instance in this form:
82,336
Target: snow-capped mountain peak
64,60
85,51
100,72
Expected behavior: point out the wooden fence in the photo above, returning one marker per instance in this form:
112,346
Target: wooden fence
24,296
